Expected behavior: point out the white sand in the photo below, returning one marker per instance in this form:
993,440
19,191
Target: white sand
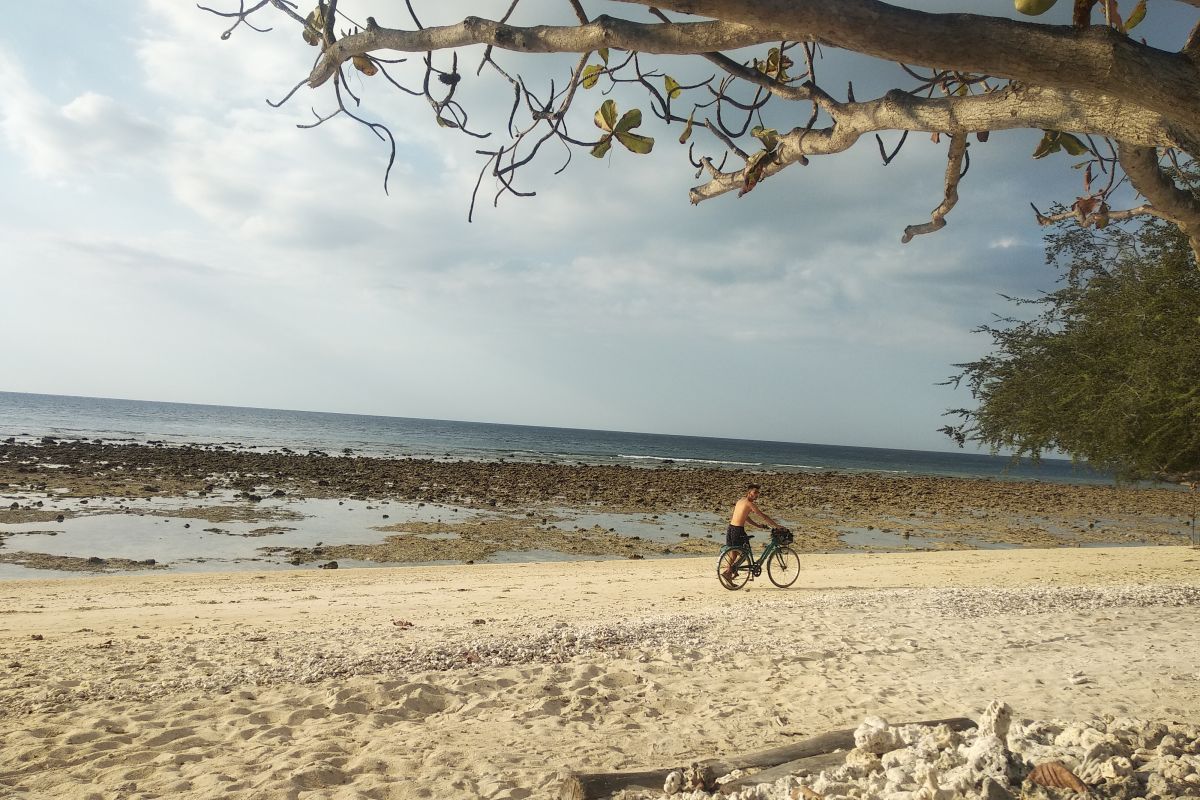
299,684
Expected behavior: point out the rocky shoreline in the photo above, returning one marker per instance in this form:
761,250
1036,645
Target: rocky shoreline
522,505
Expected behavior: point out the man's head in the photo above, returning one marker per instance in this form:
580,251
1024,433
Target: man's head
752,491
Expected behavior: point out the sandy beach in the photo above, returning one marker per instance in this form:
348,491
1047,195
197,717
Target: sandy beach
488,680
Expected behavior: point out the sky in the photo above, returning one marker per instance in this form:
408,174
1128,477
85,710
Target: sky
167,235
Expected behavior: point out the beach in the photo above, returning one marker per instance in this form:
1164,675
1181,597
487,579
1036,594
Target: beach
594,648
488,680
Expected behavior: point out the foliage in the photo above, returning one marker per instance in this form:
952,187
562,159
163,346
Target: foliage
1109,370
756,90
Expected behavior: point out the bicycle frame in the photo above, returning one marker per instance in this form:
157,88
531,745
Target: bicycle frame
748,561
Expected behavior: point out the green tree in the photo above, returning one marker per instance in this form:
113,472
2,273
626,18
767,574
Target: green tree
1109,370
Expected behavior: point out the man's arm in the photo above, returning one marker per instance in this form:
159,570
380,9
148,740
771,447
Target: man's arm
770,522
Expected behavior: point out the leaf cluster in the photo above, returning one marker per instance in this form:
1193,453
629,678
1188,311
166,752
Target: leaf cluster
1109,370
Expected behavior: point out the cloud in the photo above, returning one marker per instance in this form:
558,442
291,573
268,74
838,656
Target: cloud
91,134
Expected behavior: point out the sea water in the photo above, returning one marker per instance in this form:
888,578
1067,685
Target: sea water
28,417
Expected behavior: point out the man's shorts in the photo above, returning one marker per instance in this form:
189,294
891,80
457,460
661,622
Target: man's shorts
735,536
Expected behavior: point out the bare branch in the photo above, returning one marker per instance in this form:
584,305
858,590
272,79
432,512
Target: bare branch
684,38
1012,107
954,172
1097,218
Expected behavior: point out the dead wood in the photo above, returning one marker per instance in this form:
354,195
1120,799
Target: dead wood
594,785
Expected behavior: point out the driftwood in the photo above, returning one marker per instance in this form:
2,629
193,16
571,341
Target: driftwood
809,765
788,758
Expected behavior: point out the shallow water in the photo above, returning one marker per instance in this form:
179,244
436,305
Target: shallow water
177,534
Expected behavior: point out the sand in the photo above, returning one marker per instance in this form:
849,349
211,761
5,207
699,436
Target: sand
487,680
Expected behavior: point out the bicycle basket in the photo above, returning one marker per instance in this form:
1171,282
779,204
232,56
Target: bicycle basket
781,536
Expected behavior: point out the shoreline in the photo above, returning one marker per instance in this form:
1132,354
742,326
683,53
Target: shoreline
289,510
483,680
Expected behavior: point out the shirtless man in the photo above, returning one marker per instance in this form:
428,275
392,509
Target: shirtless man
735,534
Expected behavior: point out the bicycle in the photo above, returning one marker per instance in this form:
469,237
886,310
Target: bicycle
736,565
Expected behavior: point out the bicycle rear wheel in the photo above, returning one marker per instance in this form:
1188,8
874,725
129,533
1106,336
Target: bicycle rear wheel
733,561
783,567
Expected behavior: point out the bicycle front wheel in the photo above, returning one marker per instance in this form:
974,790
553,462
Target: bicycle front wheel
731,571
783,567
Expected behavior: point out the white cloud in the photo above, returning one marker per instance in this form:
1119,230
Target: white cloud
90,134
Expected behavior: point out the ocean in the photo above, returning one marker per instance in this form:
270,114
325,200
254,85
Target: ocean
29,417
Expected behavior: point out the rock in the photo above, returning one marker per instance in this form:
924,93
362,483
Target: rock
59,518
674,782
14,506
875,736
330,565
994,791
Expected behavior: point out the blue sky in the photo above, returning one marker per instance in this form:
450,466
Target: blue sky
168,236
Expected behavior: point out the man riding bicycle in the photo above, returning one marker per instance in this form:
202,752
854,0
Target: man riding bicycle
735,534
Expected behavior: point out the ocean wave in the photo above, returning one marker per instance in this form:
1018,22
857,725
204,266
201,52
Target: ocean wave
692,460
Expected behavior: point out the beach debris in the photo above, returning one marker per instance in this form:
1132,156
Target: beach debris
1108,757
37,637
816,753
1056,775
402,623
674,782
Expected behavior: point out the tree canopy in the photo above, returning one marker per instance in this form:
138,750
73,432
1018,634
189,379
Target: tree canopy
1128,109
1109,371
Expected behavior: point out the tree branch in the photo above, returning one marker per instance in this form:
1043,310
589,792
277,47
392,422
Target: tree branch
1006,109
1097,59
682,38
954,171
1172,203
1099,216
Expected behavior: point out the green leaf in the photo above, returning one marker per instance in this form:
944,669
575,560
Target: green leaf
1072,144
602,148
591,74
630,119
687,129
1049,144
603,52
768,136
672,86
1138,14
606,116
635,143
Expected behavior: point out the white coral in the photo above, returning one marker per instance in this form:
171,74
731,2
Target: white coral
876,736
